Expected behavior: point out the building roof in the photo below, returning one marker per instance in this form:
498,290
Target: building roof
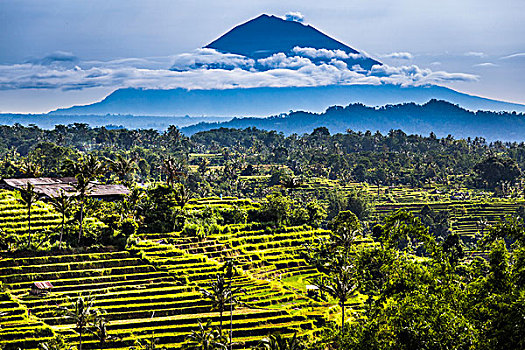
39,181
52,187
43,285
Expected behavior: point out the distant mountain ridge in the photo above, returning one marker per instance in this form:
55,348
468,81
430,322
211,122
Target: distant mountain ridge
265,101
266,35
440,117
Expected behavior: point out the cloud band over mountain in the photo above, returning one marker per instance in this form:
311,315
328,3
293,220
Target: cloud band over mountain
210,69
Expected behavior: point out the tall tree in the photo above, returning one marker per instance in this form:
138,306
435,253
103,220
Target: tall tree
205,338
173,169
82,312
83,188
123,167
230,270
62,204
86,170
340,284
218,294
182,195
494,170
28,196
278,342
100,331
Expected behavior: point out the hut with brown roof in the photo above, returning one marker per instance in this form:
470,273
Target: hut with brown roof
41,288
52,187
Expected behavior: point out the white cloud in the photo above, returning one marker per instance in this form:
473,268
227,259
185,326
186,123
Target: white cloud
210,59
399,55
160,62
57,59
294,16
413,75
485,64
475,54
516,55
209,69
310,52
280,60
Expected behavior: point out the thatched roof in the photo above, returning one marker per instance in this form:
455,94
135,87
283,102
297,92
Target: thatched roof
52,187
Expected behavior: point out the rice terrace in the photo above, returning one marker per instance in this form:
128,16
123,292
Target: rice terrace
273,188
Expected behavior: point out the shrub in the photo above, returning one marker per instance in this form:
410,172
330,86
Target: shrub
193,230
128,227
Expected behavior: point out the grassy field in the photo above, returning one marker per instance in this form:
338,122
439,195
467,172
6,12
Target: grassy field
153,287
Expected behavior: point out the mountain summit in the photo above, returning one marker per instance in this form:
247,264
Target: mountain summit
265,77
267,35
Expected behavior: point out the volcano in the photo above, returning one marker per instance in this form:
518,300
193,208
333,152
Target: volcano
267,35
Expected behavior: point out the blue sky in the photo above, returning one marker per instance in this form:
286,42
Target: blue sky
63,52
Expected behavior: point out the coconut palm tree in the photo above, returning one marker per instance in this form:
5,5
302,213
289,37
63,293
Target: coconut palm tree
174,170
82,187
28,196
182,195
278,342
100,331
340,284
123,167
218,294
82,312
147,344
229,267
86,170
205,338
62,204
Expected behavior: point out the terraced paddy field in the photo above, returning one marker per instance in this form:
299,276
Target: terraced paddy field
141,299
13,215
468,218
17,328
469,210
153,288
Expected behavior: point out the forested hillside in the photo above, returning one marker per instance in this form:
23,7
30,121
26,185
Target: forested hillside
246,238
439,117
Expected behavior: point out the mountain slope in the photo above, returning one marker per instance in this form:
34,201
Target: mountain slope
267,35
440,117
267,101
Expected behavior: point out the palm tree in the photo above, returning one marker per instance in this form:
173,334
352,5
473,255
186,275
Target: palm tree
93,167
219,294
182,195
147,344
99,330
340,284
30,169
173,169
205,338
122,167
86,170
82,187
62,204
278,342
82,312
229,266
28,196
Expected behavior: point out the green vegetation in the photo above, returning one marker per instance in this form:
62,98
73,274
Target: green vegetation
250,239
